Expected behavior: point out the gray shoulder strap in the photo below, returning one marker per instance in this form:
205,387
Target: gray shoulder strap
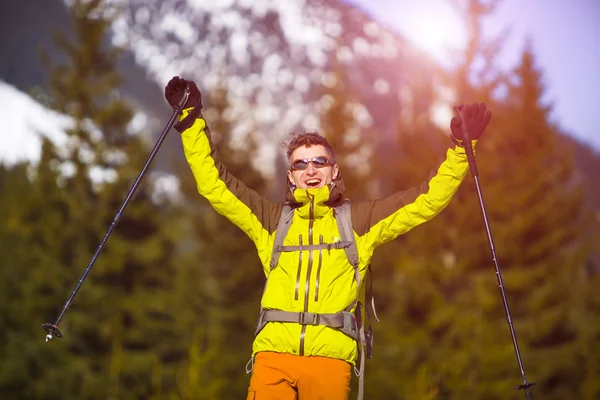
343,217
344,222
285,220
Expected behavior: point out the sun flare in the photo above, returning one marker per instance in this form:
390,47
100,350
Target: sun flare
431,25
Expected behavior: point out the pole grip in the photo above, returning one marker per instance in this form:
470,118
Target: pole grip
186,95
468,146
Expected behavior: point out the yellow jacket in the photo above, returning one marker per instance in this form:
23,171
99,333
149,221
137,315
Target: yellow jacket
316,281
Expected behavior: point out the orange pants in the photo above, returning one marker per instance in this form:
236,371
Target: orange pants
285,376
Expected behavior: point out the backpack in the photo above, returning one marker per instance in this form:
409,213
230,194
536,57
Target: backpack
349,323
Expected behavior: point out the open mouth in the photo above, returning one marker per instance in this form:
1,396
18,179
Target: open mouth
312,183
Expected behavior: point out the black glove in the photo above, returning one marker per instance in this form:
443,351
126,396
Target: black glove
174,92
472,118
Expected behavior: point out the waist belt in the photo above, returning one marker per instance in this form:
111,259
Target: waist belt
344,321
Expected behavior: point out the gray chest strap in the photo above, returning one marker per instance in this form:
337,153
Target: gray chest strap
347,242
342,244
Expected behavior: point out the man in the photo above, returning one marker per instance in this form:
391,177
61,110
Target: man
299,352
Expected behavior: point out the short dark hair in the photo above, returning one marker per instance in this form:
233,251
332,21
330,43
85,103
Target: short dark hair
307,139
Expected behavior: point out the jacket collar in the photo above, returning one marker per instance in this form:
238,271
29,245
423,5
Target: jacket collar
321,199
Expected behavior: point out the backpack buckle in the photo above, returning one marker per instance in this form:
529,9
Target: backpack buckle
349,324
306,318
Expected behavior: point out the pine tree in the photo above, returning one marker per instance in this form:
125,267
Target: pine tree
118,327
340,107
545,247
453,322
19,314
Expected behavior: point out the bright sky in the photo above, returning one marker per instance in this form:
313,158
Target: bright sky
566,41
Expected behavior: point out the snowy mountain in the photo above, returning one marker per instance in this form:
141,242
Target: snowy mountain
24,121
274,58
264,46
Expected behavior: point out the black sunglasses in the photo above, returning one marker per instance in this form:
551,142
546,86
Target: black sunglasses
317,162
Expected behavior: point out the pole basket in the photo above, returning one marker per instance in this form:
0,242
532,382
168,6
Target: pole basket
52,330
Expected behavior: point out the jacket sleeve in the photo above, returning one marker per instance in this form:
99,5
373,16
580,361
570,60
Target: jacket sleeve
385,219
229,196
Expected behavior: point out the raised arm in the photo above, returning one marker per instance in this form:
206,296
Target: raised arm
383,220
229,196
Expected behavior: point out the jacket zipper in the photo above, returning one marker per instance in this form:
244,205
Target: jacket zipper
319,270
311,218
299,269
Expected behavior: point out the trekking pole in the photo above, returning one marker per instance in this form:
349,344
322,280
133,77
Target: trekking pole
473,168
52,329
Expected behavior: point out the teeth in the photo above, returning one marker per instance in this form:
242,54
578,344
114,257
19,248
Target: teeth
313,181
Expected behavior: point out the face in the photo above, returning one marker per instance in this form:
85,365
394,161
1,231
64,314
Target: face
312,177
